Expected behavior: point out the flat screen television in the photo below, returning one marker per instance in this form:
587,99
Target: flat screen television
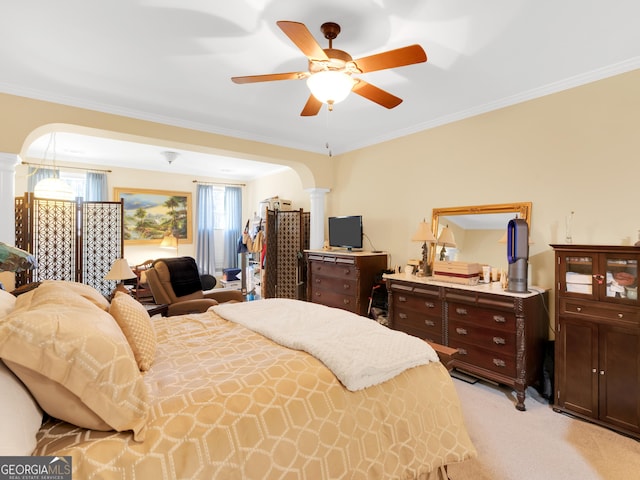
345,232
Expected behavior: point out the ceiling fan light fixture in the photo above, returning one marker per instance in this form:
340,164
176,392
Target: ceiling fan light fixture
330,86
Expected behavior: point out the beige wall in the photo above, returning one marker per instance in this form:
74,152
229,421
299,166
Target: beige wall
576,150
572,151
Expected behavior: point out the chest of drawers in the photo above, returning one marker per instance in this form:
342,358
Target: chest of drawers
343,279
499,336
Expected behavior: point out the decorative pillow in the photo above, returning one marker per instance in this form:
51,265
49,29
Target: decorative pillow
20,416
85,291
136,326
7,302
75,360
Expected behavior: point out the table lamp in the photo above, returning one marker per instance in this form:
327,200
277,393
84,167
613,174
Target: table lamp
170,240
446,239
120,271
425,235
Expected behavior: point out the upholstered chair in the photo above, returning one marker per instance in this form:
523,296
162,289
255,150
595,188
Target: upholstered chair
177,283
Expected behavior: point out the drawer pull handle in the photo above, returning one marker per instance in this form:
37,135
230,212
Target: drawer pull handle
461,331
346,286
318,294
347,271
430,323
402,299
403,316
620,315
462,351
318,280
499,319
593,370
601,372
346,301
461,311
429,305
578,309
499,341
499,363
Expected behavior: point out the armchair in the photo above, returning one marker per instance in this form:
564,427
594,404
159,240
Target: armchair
176,282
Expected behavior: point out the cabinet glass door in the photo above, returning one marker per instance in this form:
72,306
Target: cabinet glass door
577,278
620,272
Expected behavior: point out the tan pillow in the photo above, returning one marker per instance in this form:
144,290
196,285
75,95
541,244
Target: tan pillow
7,302
75,360
86,291
136,326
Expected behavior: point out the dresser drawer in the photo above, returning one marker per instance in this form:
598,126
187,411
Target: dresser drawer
480,357
496,340
502,320
344,270
599,311
431,306
343,286
429,335
333,299
418,324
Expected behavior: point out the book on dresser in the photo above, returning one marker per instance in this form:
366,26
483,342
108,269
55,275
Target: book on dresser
343,279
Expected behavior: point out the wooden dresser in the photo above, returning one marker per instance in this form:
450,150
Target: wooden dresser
343,279
499,335
597,358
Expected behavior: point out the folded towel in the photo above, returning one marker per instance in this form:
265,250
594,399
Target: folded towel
359,351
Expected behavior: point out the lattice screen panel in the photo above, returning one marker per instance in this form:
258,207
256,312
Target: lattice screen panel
72,241
101,242
54,240
287,236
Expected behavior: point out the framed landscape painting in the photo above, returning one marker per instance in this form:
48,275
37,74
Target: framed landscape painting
149,215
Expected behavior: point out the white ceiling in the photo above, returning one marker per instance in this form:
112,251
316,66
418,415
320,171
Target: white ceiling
171,61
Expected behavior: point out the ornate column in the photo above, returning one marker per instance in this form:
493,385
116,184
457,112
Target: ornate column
8,162
317,195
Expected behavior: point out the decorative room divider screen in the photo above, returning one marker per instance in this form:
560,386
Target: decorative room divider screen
287,236
72,240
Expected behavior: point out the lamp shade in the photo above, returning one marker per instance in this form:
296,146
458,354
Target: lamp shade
120,270
330,86
53,189
446,238
169,241
423,234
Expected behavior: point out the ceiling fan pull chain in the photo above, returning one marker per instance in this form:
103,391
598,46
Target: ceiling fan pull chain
327,146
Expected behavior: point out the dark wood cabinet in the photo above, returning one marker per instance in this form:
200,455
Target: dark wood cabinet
498,335
343,279
597,367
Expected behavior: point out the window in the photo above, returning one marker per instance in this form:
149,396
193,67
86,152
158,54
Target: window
76,180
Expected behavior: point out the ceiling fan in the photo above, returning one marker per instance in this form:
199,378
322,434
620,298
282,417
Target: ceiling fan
330,75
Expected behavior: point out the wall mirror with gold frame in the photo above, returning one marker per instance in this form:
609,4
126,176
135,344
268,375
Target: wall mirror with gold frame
479,231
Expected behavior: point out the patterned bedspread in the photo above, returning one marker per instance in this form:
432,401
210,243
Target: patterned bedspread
227,403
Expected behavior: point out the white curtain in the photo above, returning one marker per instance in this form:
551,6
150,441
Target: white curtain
233,229
96,187
35,174
205,249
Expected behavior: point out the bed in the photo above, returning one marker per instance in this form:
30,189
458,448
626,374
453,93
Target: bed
211,395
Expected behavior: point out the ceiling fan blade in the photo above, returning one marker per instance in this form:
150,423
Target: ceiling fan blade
270,77
392,59
375,94
301,36
312,107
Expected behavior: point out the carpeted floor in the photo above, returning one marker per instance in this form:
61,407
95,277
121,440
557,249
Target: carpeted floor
538,443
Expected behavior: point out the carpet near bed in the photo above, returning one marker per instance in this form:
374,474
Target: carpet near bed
538,443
